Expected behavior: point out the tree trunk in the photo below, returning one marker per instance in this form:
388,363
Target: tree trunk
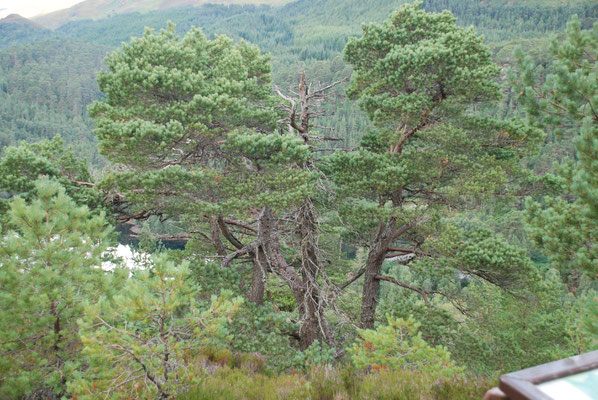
386,234
309,298
258,278
315,326
310,312
373,267
255,294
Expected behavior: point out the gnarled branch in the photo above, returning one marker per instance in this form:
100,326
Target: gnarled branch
423,292
350,281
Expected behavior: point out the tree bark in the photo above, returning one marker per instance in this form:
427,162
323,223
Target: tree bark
258,278
308,295
310,311
373,267
315,325
255,294
385,235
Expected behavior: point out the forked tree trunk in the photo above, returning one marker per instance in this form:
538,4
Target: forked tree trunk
255,294
385,235
306,296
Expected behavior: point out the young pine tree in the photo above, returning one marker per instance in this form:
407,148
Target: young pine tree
50,262
144,343
566,226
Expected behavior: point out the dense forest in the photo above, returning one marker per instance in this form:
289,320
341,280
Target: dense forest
324,199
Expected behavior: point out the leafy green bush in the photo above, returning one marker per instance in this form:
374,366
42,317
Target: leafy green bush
141,344
317,354
262,330
398,345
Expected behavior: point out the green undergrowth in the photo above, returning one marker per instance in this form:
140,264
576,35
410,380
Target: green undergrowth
327,383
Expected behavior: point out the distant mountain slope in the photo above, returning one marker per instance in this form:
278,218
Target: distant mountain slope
97,9
313,29
15,29
45,88
17,19
249,22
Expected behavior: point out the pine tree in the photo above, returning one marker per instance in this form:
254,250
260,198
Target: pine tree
189,120
146,341
567,102
192,124
419,77
50,263
566,226
21,166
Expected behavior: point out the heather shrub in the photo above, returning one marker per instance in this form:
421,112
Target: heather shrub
335,384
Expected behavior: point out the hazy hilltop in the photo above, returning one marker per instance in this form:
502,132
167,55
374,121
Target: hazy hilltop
15,29
97,9
17,19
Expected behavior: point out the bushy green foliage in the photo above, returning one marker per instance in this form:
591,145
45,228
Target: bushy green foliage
586,328
506,333
210,276
398,345
191,118
565,226
21,166
477,252
395,54
564,103
318,354
265,332
218,87
50,264
142,342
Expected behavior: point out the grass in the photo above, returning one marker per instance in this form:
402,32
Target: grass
327,383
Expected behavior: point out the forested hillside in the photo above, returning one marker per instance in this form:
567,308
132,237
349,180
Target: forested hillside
98,9
15,29
302,35
45,89
324,199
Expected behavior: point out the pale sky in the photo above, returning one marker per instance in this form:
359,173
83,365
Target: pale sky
31,8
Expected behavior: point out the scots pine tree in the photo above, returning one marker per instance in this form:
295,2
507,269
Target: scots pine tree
567,102
50,264
399,345
566,226
420,77
21,166
191,124
188,120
